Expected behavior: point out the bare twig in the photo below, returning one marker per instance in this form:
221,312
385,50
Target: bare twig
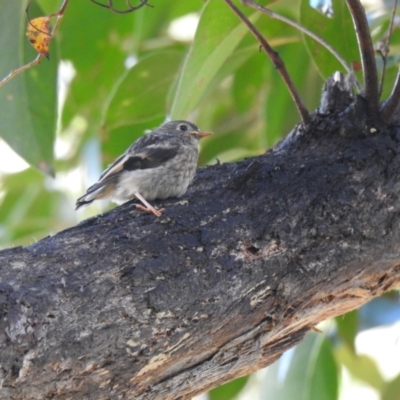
384,50
130,8
371,90
63,7
301,28
277,61
59,15
17,71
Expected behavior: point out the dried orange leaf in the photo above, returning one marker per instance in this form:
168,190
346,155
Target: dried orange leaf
39,34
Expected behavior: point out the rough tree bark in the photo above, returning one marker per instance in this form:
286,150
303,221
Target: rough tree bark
129,306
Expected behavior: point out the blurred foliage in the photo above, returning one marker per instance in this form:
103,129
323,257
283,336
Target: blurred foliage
327,25
347,326
28,102
119,75
307,372
229,390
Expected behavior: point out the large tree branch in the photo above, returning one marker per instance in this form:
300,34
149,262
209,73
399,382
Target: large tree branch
126,305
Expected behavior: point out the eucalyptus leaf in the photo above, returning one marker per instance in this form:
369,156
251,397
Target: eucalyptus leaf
391,390
218,34
229,391
97,42
28,102
361,367
140,94
309,372
337,30
347,326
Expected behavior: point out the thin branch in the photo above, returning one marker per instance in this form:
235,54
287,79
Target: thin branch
384,50
301,28
63,7
130,8
277,61
19,70
371,90
390,106
59,15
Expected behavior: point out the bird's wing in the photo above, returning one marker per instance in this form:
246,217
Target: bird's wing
143,154
152,157
152,139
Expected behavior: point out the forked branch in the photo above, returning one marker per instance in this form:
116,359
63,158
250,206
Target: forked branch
277,61
59,15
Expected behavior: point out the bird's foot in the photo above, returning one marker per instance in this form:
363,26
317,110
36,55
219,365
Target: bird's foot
151,209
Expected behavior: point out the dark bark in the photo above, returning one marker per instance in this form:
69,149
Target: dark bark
129,306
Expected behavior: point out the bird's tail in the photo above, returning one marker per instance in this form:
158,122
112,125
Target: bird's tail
82,202
95,192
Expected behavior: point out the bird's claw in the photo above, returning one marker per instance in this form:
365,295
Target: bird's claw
152,210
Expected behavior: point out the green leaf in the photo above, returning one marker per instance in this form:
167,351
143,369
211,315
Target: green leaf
28,102
229,390
390,79
361,367
392,390
337,30
97,43
153,22
247,82
218,34
233,62
311,374
141,93
28,210
280,111
347,326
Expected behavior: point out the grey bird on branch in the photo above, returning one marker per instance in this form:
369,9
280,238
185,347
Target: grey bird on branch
158,165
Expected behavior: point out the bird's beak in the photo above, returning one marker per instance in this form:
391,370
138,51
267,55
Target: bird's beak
200,135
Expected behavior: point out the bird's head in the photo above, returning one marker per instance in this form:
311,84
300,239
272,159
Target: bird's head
185,128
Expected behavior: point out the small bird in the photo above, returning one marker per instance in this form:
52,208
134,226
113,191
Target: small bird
158,165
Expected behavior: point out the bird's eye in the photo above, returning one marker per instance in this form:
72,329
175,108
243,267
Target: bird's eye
183,127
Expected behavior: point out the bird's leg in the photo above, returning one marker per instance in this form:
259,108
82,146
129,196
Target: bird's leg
149,207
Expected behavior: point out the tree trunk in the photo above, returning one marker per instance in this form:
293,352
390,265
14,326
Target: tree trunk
129,306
